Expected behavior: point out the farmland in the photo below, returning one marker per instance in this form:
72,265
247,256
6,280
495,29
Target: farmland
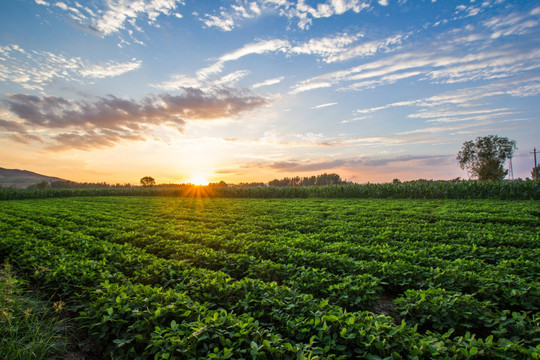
169,277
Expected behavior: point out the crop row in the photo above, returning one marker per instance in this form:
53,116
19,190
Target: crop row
135,298
504,190
349,274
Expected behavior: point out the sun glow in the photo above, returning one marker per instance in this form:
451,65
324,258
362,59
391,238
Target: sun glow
198,180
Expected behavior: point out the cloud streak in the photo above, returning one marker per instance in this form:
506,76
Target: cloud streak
461,56
105,121
292,165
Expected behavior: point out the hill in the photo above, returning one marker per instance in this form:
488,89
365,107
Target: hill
23,178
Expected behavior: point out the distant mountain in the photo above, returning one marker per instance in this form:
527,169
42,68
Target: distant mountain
22,178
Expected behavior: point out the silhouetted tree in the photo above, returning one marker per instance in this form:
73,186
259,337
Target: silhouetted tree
484,157
319,180
535,172
148,181
219,184
40,185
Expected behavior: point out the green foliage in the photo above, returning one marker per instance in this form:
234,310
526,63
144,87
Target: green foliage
503,190
484,158
283,279
535,172
29,328
319,180
148,181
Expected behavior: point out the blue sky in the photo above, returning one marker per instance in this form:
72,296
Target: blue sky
256,90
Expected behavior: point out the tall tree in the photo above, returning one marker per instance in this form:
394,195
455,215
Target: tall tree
535,172
484,158
148,181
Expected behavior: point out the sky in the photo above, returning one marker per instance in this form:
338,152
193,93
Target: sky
245,91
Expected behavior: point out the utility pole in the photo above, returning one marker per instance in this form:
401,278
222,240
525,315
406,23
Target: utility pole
511,169
535,164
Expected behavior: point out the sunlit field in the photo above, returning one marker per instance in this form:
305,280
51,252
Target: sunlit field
166,277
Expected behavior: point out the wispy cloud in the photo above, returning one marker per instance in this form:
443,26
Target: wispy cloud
229,18
329,48
110,69
513,24
268,82
116,15
259,47
204,83
324,105
306,13
33,70
294,165
467,97
357,118
454,113
104,121
461,56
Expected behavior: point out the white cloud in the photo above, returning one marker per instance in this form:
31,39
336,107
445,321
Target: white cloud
205,77
210,70
365,49
467,11
227,19
459,110
259,47
301,87
33,70
268,82
460,57
450,112
512,24
224,22
180,81
110,69
232,78
306,13
324,105
61,5
117,15
327,46
383,2
357,118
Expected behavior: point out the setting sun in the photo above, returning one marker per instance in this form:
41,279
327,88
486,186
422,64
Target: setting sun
199,180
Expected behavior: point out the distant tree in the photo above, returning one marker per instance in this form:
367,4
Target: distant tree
328,179
484,158
252,184
219,184
40,185
319,180
148,181
535,172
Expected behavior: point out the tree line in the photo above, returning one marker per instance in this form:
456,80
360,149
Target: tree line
319,180
483,159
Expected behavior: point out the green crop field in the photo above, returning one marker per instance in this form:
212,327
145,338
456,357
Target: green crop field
186,278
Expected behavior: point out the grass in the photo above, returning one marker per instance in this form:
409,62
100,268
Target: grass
29,328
